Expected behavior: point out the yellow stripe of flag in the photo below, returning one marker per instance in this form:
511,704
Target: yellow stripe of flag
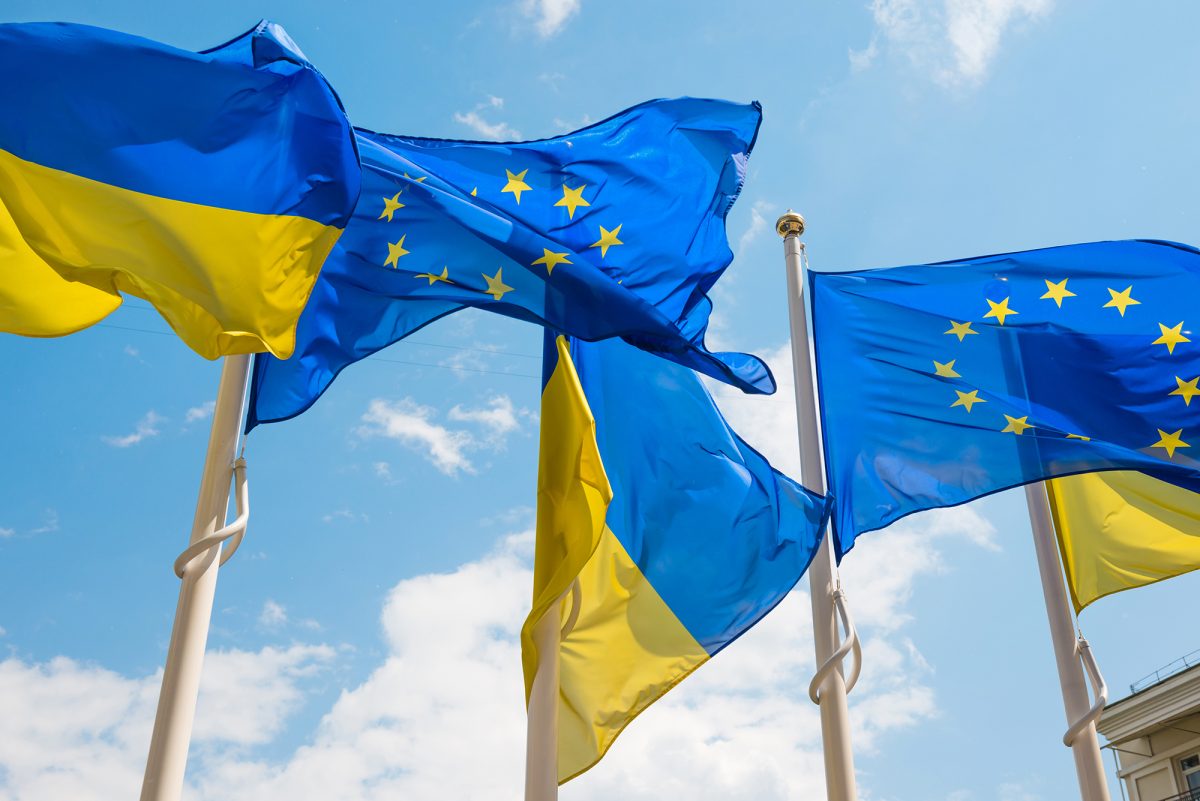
1120,530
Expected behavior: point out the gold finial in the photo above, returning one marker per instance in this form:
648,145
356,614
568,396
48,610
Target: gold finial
790,223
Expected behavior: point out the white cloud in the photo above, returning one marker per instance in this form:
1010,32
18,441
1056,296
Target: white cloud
499,417
6,532
201,412
549,16
449,684
273,615
955,43
383,470
758,226
146,428
3,631
130,350
413,425
494,131
75,730
410,423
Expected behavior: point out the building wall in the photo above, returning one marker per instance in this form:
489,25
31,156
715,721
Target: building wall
1152,773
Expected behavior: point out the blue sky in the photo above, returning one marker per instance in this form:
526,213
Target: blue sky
363,642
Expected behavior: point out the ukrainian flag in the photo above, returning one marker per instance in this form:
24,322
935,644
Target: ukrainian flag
680,536
210,184
1118,530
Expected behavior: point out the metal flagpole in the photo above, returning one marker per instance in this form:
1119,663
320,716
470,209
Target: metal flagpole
1072,655
197,566
829,687
541,742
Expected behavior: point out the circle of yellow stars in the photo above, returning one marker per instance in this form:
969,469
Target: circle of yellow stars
1057,291
515,185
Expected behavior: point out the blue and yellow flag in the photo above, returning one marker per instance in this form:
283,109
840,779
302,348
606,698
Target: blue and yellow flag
680,535
210,184
945,382
614,230
1119,530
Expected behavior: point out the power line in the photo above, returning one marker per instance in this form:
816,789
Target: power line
404,341
374,358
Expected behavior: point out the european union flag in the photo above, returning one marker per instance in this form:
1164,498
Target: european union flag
946,382
614,230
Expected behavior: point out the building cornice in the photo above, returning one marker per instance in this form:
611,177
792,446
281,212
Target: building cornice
1152,708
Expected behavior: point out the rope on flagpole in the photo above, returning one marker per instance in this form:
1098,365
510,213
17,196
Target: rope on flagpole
1099,689
850,643
232,533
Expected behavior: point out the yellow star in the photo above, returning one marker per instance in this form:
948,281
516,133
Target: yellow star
1121,300
1171,337
495,287
967,399
516,184
391,205
571,199
1016,425
552,260
1079,436
395,251
1000,310
960,330
1056,292
1170,442
945,370
1187,389
418,180
607,240
444,277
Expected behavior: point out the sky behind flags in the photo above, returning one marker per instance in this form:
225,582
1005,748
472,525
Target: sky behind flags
382,515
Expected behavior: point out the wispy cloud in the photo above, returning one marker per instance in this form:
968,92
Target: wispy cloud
49,523
201,412
5,533
474,119
955,44
549,16
499,417
130,350
345,515
146,428
413,425
756,229
273,615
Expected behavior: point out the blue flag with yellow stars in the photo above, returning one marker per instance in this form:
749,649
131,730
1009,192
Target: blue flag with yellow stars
614,230
941,383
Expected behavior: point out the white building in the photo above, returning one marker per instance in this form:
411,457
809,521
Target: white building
1155,733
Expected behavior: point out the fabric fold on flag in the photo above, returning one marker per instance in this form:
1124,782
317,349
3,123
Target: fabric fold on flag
210,184
615,230
1119,530
941,383
680,535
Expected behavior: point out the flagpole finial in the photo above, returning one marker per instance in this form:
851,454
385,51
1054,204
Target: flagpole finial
790,223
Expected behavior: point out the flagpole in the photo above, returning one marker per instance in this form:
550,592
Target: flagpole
1081,712
172,733
835,716
541,739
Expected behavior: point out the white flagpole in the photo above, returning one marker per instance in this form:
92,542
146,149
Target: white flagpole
835,718
541,743
1071,654
181,677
